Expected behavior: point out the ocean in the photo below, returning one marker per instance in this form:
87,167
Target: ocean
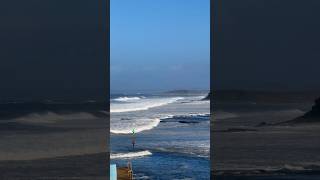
53,139
249,143
171,135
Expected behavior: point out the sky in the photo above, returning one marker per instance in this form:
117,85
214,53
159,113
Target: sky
51,50
159,45
268,45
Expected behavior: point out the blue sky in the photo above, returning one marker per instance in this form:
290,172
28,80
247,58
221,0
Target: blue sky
159,44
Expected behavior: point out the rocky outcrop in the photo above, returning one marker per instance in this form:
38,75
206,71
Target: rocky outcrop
313,116
207,98
315,111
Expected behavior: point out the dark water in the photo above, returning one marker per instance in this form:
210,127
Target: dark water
278,177
52,140
243,146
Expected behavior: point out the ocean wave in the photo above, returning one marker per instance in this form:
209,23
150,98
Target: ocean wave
198,98
143,104
284,169
220,115
184,115
198,102
290,111
138,176
130,155
125,126
138,125
295,112
190,118
127,99
199,151
51,117
198,114
124,123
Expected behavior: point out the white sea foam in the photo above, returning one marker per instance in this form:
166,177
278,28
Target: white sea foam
294,167
138,125
199,114
142,104
198,102
201,97
130,155
126,116
127,99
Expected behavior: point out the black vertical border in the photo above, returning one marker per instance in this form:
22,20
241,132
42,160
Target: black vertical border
215,29
107,47
104,20
108,81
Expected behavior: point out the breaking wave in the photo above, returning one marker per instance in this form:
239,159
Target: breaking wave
127,99
138,125
220,115
130,155
51,117
142,104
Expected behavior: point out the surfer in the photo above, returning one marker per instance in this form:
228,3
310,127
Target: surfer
133,139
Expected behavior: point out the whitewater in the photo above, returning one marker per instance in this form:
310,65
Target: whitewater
130,155
128,113
139,104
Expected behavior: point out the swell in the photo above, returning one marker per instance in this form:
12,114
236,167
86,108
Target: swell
53,117
286,169
20,109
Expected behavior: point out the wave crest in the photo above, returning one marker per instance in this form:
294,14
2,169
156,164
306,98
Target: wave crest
138,125
127,99
130,155
221,115
143,104
51,117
